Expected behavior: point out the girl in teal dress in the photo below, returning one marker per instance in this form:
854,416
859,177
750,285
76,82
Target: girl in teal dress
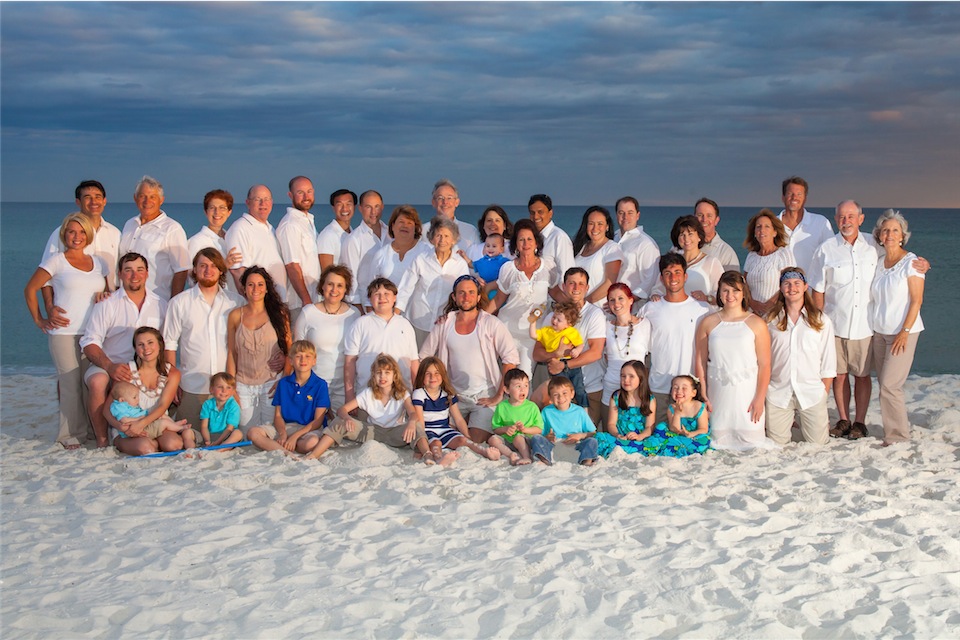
687,431
631,412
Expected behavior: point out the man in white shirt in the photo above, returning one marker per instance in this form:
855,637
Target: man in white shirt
556,243
297,237
196,325
592,327
673,330
362,244
254,236
90,198
159,239
640,251
806,230
445,200
708,213
108,340
330,240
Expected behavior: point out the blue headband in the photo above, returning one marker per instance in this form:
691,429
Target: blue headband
792,275
466,277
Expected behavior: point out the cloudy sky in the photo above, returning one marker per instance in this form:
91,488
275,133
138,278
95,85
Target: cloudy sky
584,101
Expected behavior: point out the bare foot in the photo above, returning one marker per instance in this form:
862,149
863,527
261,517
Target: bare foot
523,461
449,458
514,459
493,453
429,461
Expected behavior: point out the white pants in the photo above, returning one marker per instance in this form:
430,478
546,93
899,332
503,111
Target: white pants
255,404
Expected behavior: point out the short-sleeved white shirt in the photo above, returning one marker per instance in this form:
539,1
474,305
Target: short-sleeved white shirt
199,331
113,321
258,243
719,249
641,256
105,245
330,240
426,286
523,294
371,335
890,296
762,273
800,358
703,275
359,247
327,333
389,415
74,290
673,330
813,230
843,273
592,325
163,242
558,247
596,263
297,238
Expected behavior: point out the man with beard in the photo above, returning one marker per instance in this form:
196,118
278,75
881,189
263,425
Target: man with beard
108,340
477,350
297,237
330,240
196,324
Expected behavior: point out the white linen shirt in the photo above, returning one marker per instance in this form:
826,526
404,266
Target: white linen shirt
813,231
105,245
673,329
843,273
386,263
425,288
114,320
558,247
595,264
199,331
297,237
330,240
640,267
257,243
890,297
163,242
800,358
360,246
719,249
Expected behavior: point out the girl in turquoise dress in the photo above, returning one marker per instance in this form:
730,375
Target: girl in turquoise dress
687,431
632,409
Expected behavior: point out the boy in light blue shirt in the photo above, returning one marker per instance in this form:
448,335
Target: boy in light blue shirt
220,414
567,423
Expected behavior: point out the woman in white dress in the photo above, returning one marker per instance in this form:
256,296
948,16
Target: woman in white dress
769,254
524,285
493,220
733,364
595,252
78,281
326,324
703,271
628,338
394,258
895,299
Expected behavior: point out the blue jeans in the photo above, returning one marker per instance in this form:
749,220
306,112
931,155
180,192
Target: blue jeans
540,446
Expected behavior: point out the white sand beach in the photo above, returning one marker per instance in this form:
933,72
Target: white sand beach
850,540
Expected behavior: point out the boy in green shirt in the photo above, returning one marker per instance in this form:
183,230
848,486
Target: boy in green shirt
516,417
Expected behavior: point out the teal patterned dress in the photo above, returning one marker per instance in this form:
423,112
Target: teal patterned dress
664,442
629,420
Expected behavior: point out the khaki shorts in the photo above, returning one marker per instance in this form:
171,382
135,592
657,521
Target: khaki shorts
853,356
353,430
393,436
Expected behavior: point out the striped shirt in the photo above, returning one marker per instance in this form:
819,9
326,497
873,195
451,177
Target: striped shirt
436,411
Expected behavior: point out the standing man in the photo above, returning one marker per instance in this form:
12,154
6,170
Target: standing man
556,243
640,251
445,201
673,330
297,237
196,324
159,239
108,340
708,213
330,240
592,327
477,350
256,240
363,242
806,230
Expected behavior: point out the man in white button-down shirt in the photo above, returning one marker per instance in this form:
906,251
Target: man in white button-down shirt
641,255
708,213
363,242
196,325
254,236
556,243
297,237
806,230
445,200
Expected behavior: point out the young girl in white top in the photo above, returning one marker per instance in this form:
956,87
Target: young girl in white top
389,410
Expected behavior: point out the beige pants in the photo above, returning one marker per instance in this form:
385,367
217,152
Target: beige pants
892,372
814,422
67,358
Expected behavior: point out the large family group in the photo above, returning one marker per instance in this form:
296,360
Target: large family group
506,338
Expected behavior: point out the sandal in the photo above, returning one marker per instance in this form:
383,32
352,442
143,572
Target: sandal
857,431
841,429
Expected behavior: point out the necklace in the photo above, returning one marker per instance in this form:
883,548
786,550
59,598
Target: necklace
337,312
616,337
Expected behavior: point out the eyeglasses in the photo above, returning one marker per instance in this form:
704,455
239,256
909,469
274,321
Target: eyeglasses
218,208
443,199
260,200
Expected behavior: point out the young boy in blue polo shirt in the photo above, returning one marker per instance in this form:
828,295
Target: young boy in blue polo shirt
567,423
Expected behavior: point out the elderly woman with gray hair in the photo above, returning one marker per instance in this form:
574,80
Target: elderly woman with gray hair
895,299
426,285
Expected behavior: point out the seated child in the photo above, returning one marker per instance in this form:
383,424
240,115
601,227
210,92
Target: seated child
562,340
632,411
220,415
687,429
300,402
516,417
435,402
126,409
488,267
389,410
565,422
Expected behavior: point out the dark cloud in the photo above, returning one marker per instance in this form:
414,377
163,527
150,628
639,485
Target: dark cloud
580,99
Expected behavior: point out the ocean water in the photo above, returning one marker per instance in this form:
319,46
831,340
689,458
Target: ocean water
25,227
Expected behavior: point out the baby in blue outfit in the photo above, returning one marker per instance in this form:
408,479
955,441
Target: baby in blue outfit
126,409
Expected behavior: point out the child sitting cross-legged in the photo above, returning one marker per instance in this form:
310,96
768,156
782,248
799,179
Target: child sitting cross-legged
515,417
220,414
566,423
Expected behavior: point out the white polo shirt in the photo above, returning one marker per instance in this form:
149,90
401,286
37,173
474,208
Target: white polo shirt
558,246
673,329
843,272
105,245
800,358
361,245
330,240
163,243
199,331
719,249
297,237
114,320
641,255
813,231
258,244
371,335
